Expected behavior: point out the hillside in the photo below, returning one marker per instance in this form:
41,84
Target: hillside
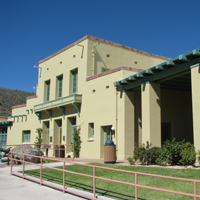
9,98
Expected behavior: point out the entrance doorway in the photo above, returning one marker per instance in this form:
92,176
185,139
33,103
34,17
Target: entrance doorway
45,135
106,134
58,132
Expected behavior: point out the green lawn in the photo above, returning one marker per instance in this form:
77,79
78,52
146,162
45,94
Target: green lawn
119,191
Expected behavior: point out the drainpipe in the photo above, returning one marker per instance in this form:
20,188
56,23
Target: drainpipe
93,55
82,48
40,70
116,119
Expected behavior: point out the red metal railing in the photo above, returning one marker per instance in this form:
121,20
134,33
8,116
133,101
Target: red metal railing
136,185
56,148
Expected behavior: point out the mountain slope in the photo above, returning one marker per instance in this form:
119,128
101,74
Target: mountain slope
9,98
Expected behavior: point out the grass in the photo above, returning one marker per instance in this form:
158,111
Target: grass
119,191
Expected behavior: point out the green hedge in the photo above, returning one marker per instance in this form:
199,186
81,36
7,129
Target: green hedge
172,153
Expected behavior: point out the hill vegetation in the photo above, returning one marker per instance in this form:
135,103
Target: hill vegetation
9,98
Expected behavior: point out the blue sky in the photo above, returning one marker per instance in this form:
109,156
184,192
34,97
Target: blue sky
31,30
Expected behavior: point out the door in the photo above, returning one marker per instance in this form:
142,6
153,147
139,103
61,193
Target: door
60,135
107,133
165,132
47,135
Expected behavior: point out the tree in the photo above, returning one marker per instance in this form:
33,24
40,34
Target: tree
38,139
77,142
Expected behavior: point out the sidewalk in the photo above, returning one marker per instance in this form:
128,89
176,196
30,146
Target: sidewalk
15,188
12,187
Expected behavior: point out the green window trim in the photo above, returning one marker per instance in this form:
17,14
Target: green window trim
74,81
47,90
91,130
26,136
3,135
59,85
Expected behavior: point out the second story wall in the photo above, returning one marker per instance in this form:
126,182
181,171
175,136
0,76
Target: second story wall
62,74
104,55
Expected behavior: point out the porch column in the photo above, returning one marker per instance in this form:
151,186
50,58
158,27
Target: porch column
151,114
129,124
195,84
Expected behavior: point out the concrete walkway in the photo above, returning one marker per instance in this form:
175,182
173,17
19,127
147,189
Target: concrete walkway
15,188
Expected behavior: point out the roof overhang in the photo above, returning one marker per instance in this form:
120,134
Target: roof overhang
6,123
169,70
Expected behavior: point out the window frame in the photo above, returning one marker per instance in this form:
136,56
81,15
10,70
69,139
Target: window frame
26,137
74,81
47,90
59,86
91,130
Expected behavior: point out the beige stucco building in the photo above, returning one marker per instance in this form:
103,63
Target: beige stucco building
96,84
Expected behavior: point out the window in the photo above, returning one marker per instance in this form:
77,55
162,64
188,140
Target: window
59,86
74,79
91,130
26,136
3,136
47,90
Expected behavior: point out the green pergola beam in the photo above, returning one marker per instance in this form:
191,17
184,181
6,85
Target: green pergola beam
62,110
77,106
182,58
49,112
163,74
38,115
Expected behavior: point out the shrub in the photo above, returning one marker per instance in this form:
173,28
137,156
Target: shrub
140,154
170,153
38,139
188,154
131,161
152,155
77,142
146,155
177,153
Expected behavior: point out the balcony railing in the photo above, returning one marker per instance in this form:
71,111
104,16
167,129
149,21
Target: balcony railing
72,99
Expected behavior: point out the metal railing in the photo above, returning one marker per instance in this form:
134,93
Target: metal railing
47,147
76,98
94,177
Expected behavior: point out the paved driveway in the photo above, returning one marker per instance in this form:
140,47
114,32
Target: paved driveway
15,188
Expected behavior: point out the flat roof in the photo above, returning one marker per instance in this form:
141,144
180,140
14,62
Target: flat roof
106,42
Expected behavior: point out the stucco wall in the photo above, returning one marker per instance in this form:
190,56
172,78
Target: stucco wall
176,108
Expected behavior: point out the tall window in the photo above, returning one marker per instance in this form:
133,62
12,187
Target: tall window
26,136
3,136
74,83
59,86
47,90
91,130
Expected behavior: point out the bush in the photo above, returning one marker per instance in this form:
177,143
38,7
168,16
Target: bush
140,154
77,142
38,139
152,155
177,153
131,161
188,154
146,155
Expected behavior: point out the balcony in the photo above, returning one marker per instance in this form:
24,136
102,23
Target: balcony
74,99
